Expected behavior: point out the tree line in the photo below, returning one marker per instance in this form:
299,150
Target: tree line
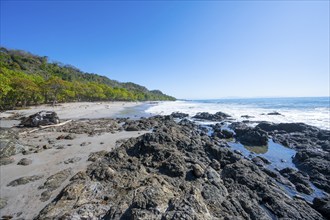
27,79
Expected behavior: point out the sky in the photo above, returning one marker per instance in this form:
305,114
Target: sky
187,49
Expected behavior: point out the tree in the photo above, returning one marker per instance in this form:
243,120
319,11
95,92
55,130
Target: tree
55,86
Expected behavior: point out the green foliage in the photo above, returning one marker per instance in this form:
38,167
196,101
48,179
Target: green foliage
27,79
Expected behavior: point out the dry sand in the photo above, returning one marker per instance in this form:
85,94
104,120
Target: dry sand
23,201
77,110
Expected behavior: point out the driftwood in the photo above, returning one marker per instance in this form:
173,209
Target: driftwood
46,126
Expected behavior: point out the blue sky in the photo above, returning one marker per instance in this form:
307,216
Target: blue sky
188,49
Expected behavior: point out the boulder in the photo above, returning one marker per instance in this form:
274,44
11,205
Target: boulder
198,170
24,162
253,137
219,116
40,119
179,115
9,144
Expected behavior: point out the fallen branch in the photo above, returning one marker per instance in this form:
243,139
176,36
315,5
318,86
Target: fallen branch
46,126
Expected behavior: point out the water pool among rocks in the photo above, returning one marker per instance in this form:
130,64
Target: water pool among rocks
280,157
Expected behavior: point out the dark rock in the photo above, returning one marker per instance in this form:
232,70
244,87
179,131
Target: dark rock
300,181
223,134
274,113
247,116
287,127
9,144
24,162
253,137
260,161
219,116
322,205
215,164
179,115
25,180
249,136
142,124
94,156
40,118
316,164
55,181
153,177
45,195
239,128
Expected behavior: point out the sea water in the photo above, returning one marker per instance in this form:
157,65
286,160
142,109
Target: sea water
313,111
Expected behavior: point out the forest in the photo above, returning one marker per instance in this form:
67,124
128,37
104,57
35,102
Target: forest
27,79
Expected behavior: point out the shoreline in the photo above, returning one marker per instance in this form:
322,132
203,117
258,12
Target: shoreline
54,150
80,110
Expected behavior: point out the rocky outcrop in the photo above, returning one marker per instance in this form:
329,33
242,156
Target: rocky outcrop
179,115
317,165
142,124
94,156
274,113
299,179
53,182
25,180
175,172
219,116
323,206
9,144
312,145
40,118
219,132
249,136
91,127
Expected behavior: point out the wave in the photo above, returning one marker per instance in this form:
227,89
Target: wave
318,116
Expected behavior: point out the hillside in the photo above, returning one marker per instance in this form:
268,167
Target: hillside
28,79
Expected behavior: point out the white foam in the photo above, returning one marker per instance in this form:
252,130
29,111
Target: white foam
319,117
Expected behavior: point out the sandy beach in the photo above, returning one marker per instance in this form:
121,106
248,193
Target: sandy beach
77,110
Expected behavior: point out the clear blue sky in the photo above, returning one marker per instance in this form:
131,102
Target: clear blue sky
188,49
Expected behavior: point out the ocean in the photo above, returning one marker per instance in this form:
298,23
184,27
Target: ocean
313,111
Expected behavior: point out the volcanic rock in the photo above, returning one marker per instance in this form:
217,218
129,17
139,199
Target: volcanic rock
25,180
219,116
152,177
40,118
179,115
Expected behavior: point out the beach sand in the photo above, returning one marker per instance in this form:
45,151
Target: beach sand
77,110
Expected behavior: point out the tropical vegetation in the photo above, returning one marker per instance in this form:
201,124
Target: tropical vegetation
27,79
